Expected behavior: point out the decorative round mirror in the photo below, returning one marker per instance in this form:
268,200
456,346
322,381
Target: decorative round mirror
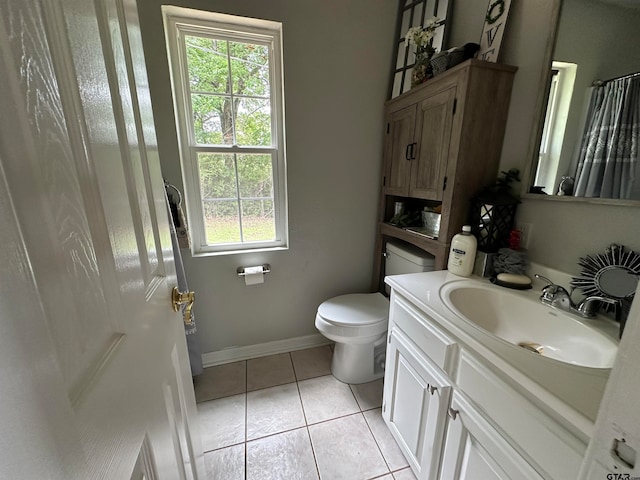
613,274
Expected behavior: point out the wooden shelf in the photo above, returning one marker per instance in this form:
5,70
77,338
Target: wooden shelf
443,141
428,244
387,232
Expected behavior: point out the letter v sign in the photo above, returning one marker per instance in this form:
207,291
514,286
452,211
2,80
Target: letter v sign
493,30
492,33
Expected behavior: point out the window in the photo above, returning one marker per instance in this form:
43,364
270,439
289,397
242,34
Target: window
561,84
227,84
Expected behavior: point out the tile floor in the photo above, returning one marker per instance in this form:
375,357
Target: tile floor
286,417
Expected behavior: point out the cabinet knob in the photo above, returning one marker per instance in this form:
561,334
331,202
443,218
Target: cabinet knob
453,414
432,389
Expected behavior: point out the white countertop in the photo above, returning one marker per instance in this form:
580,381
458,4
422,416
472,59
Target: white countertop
570,393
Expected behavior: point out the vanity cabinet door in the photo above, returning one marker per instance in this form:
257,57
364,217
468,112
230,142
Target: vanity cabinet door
399,148
433,132
474,450
416,398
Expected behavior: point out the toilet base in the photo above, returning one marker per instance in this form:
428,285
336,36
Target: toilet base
359,363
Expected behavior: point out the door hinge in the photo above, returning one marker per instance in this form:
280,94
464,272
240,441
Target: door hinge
384,181
444,184
384,407
389,341
455,105
387,128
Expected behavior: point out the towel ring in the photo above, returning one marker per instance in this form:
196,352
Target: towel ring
169,185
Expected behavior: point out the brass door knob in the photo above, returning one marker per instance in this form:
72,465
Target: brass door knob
179,298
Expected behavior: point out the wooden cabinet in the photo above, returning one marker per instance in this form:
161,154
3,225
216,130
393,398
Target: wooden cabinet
443,141
417,147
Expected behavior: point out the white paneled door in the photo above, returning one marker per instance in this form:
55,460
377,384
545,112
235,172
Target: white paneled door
94,374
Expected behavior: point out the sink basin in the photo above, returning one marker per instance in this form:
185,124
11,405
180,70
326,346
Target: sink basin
526,323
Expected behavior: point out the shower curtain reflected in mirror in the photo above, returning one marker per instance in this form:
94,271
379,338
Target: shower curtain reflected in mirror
607,163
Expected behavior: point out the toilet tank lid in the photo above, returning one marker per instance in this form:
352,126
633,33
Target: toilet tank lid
412,253
355,309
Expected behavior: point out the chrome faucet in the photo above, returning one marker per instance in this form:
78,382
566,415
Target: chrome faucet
558,297
587,307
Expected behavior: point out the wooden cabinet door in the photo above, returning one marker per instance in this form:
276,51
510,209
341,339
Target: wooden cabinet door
415,404
399,147
433,133
474,450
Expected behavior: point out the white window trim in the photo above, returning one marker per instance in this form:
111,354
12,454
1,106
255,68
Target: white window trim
561,91
177,22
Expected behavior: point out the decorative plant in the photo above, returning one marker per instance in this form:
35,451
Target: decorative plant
422,38
501,190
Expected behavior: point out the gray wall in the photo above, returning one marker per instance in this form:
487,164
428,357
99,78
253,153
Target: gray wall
337,57
562,232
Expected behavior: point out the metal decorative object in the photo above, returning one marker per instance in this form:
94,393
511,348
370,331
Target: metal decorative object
613,274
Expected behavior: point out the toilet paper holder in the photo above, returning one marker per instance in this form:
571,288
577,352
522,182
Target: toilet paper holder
266,268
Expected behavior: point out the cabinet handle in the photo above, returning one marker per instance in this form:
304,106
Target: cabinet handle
407,156
413,150
432,389
453,414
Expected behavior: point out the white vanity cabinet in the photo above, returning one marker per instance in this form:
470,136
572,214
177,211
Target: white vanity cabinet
456,417
474,450
416,388
416,401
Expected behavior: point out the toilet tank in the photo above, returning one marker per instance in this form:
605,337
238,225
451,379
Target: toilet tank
406,258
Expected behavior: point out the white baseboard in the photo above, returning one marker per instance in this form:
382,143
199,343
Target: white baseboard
237,354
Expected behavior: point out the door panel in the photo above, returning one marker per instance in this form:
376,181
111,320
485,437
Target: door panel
84,189
433,128
398,150
474,450
86,327
416,398
410,399
135,164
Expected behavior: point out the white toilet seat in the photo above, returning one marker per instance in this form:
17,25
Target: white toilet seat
355,310
358,324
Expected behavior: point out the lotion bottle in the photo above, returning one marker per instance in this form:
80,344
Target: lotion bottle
462,255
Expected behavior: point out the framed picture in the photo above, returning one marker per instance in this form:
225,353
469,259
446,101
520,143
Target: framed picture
494,25
414,13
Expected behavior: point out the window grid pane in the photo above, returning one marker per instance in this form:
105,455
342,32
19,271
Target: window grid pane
226,72
237,197
208,65
230,92
222,222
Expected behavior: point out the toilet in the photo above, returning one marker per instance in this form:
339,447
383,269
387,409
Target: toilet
357,323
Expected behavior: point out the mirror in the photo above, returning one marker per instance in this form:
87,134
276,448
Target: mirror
596,40
613,274
615,281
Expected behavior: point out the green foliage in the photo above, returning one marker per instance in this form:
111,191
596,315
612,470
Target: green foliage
230,101
229,80
227,230
220,195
